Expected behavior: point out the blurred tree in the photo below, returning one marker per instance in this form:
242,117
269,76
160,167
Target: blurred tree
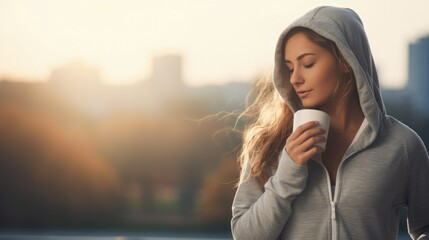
216,196
50,177
146,150
162,161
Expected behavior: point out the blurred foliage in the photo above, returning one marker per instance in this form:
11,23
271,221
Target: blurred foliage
176,168
49,176
62,168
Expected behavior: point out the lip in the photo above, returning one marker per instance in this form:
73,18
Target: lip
303,93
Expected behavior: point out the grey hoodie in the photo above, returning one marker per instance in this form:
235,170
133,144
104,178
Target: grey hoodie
385,168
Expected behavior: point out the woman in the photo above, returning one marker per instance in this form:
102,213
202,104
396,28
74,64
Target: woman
372,166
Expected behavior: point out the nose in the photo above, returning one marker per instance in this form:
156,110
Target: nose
296,78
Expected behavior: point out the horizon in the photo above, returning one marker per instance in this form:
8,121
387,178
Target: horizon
121,38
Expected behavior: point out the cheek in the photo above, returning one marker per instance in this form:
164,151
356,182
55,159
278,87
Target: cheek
328,77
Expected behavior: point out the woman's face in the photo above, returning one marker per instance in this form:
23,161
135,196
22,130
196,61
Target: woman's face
314,72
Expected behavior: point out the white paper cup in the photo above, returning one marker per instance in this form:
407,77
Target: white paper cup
307,115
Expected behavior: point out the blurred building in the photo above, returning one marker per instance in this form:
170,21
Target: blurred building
163,92
76,74
81,85
397,102
167,71
418,75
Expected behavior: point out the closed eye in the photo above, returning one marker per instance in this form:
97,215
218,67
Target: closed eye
309,65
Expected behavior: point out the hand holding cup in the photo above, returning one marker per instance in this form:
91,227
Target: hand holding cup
310,132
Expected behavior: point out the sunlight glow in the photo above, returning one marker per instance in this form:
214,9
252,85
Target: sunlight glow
220,41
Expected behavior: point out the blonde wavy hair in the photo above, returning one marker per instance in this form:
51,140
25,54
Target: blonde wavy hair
269,118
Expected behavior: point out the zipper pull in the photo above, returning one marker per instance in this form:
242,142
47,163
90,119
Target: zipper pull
333,212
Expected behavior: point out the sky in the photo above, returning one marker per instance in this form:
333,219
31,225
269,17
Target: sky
220,40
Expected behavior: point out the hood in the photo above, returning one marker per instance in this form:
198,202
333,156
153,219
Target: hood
344,27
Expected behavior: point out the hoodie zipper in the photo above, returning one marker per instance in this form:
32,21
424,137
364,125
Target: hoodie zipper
334,221
333,199
333,206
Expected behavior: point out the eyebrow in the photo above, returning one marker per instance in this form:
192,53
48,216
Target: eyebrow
301,57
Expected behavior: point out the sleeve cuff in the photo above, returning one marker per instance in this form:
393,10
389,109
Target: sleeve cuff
290,178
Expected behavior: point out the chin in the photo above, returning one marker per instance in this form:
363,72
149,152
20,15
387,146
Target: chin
313,104
310,106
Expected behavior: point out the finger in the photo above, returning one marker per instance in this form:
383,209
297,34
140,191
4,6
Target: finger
311,152
312,142
295,147
293,144
309,133
304,127
307,145
303,157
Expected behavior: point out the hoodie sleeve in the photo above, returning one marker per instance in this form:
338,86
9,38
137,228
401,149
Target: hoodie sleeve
261,212
418,191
